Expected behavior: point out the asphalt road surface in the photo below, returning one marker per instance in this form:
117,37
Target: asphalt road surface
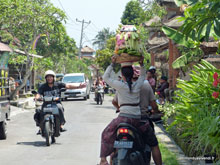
79,145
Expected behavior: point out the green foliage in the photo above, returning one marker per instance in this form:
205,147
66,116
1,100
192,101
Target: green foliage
5,37
182,2
190,50
27,19
31,18
111,43
202,19
103,58
133,14
178,37
168,157
196,117
102,37
78,66
153,9
17,59
188,56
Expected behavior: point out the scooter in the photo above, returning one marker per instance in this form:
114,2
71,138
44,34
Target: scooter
49,115
130,148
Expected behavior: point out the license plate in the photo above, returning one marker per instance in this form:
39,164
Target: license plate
73,95
123,144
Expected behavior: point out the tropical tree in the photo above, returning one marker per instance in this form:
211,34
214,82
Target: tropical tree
201,21
103,56
152,8
201,18
133,14
26,20
102,37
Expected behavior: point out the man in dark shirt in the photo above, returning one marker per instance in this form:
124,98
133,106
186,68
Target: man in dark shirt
52,88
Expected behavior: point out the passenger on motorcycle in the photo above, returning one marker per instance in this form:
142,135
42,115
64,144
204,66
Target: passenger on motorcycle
52,88
130,112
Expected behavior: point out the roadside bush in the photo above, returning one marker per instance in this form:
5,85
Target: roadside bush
196,111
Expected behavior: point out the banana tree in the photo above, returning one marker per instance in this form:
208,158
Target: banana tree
201,20
193,50
199,17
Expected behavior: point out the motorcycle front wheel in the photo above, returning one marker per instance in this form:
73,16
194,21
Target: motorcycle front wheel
97,99
47,132
3,130
100,98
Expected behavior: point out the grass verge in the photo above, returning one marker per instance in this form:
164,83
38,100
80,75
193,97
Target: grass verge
168,157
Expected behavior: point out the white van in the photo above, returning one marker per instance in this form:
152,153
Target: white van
76,79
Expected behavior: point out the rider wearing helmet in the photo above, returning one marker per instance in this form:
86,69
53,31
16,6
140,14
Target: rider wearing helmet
52,88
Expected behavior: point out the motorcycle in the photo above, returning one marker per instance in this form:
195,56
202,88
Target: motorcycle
99,94
49,118
130,148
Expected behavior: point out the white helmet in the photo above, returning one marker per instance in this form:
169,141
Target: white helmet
50,72
152,67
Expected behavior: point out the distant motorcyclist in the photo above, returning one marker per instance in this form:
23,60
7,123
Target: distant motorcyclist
99,83
52,88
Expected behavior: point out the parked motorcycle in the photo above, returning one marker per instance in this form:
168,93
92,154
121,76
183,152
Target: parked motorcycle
130,148
99,94
49,115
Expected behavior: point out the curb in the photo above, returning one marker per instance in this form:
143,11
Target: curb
170,144
27,103
168,141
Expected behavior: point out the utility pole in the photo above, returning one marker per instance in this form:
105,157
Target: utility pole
81,38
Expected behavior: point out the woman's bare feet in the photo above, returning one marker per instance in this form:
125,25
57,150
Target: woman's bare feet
103,161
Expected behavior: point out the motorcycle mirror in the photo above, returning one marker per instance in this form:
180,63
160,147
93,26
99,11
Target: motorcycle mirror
34,92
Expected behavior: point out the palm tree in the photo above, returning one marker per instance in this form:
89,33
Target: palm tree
102,37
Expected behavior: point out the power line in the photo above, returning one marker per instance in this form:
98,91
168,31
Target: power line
72,24
90,32
88,40
71,27
96,27
66,13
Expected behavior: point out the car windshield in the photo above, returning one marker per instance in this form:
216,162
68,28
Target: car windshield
73,79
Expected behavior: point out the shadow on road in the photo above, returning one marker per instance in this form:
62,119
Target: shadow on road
102,106
73,99
36,143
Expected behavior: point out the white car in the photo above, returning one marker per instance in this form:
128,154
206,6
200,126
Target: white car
76,79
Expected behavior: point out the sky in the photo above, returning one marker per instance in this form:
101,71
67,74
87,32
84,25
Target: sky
101,13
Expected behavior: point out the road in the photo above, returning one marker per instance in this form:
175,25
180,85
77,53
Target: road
79,145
